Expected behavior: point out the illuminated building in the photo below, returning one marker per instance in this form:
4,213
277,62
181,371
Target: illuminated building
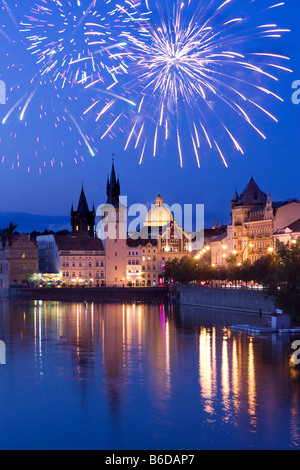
116,234
72,259
19,259
76,259
289,234
254,221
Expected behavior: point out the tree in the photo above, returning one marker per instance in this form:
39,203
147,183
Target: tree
8,231
283,283
231,260
264,268
246,272
170,269
186,270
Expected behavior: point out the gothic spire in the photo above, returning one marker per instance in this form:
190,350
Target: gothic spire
113,188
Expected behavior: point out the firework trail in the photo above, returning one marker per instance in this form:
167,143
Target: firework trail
48,64
205,66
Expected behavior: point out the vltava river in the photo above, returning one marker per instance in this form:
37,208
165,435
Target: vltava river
143,377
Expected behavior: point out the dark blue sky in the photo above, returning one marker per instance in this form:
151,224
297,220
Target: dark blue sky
274,163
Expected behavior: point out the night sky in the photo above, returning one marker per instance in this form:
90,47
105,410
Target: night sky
274,163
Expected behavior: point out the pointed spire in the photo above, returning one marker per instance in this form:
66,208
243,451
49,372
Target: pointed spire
252,194
235,197
83,208
113,188
82,220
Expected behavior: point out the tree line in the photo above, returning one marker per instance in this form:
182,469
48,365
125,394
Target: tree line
278,273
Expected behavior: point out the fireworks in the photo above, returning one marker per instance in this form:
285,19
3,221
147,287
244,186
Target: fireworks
49,64
205,70
58,33
194,74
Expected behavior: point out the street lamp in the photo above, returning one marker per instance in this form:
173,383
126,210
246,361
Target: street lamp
224,247
248,244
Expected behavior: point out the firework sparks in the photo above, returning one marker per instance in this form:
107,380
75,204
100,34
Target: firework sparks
195,65
51,68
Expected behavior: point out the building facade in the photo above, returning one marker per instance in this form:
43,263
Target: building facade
255,219
74,260
20,257
115,230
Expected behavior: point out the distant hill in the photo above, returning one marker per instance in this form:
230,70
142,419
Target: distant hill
28,223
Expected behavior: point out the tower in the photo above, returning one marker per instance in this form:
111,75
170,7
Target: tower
116,233
83,220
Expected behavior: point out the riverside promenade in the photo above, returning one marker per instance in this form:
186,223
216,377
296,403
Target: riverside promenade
242,299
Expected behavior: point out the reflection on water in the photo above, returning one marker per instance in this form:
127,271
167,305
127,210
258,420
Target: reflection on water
136,376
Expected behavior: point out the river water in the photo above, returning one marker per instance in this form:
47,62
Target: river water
143,377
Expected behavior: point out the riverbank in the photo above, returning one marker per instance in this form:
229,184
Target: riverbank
101,294
243,300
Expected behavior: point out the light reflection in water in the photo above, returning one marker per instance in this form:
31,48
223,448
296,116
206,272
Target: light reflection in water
251,384
152,351
207,368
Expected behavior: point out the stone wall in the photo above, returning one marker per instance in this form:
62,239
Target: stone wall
101,294
245,300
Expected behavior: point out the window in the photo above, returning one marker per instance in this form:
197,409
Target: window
116,268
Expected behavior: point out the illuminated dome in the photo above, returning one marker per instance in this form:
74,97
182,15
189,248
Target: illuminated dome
159,215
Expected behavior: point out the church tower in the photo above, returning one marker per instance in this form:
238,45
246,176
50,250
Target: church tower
116,234
83,220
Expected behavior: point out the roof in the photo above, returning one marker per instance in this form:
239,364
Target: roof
252,194
159,215
77,243
83,208
295,226
132,243
113,188
216,234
